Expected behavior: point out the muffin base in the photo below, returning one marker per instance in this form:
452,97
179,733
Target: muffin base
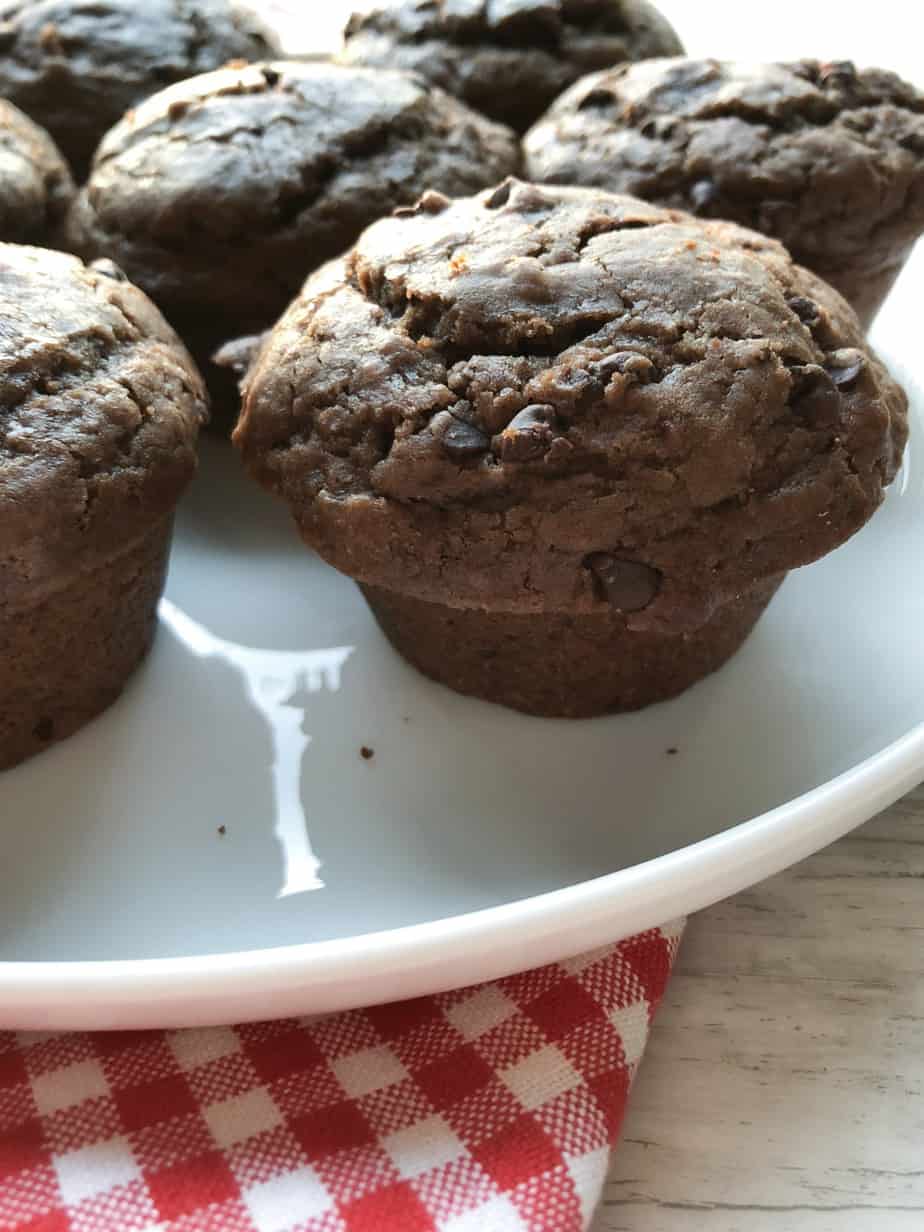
865,290
556,665
64,659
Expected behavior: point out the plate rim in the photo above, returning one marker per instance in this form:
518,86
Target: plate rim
437,955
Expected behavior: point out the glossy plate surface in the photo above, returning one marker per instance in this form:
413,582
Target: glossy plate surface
216,847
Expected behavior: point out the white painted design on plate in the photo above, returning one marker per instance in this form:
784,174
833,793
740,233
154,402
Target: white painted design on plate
273,679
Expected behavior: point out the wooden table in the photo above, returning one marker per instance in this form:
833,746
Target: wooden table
783,1086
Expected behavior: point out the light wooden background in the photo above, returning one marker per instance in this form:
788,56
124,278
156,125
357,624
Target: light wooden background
783,1086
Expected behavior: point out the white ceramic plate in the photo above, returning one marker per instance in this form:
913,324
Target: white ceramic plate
476,841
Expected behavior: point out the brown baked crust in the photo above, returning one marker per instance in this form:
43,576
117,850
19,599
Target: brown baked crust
36,188
557,665
101,406
76,65
824,157
219,195
491,402
66,657
508,60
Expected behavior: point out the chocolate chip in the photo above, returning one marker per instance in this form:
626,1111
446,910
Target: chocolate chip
702,195
625,363
501,195
270,76
596,98
463,440
109,269
529,198
366,753
845,365
840,73
805,309
49,39
528,435
815,397
433,202
240,353
430,203
660,127
913,141
178,108
627,585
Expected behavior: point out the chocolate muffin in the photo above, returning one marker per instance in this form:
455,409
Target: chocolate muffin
35,185
219,195
508,60
827,159
568,442
76,65
101,408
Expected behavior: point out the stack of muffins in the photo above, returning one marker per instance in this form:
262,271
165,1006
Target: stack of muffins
568,441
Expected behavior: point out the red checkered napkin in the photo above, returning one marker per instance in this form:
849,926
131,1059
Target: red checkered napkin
489,1109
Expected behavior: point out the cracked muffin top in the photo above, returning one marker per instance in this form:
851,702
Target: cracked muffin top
826,158
221,193
486,395
76,65
35,184
100,406
508,58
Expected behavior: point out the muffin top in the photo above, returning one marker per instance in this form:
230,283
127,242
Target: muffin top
823,157
35,184
101,406
508,59
487,401
76,65
220,194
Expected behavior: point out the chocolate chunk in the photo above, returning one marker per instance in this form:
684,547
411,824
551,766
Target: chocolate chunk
702,195
625,363
463,440
271,76
528,435
239,354
660,128
805,309
845,365
109,269
627,585
815,397
838,73
530,199
596,98
501,195
430,203
433,202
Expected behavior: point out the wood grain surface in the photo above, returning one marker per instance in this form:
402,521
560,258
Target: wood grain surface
783,1086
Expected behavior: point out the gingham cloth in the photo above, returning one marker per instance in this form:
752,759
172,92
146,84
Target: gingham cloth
488,1109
